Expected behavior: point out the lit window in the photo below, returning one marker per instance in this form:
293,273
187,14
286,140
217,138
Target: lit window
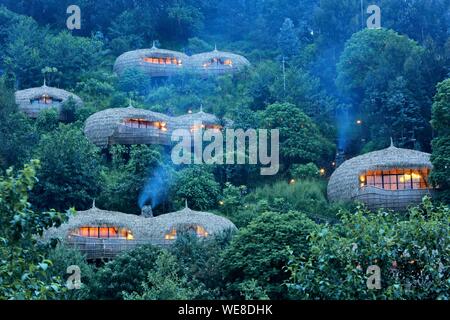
396,179
196,229
218,62
103,232
45,99
162,60
145,124
213,127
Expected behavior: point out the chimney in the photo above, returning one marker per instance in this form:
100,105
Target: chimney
147,211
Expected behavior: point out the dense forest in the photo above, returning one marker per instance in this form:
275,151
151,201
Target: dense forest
329,84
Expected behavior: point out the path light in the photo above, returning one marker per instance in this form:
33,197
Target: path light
322,171
359,122
221,202
292,181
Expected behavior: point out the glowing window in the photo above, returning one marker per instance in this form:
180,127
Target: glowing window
45,99
103,232
196,229
396,179
218,62
163,60
145,124
214,127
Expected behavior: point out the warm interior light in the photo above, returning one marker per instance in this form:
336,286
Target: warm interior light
407,177
166,60
396,179
103,232
198,230
144,123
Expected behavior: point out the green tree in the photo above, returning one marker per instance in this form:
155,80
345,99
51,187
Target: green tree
24,268
70,173
197,185
62,257
125,273
164,282
261,250
382,72
47,120
300,138
411,252
126,177
288,40
201,263
17,133
440,158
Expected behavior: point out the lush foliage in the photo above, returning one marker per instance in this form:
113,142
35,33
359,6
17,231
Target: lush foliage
441,144
412,253
24,265
317,74
261,250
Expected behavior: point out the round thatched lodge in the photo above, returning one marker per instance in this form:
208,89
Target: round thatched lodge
154,62
392,178
103,234
34,100
131,125
217,62
128,126
157,62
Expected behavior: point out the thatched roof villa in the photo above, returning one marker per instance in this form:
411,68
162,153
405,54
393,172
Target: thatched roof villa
34,100
217,62
154,62
131,125
392,178
128,126
157,62
103,234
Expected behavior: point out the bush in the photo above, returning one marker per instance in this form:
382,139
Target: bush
412,253
307,196
164,282
262,249
125,273
200,262
304,171
197,185
63,257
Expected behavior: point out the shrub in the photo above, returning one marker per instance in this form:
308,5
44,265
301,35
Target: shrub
412,253
261,250
125,273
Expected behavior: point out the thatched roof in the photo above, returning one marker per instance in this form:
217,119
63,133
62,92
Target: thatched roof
135,59
213,224
106,127
101,126
190,64
24,98
144,230
344,182
198,62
